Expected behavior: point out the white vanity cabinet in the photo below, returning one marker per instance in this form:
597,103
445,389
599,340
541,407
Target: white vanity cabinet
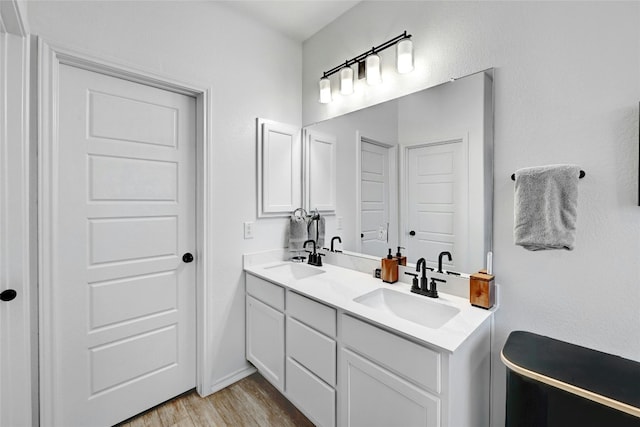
386,379
311,358
265,329
306,373
341,369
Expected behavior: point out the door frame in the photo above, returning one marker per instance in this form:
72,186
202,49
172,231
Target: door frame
393,185
51,57
18,341
404,179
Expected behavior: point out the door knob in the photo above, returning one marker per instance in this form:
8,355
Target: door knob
8,295
412,233
187,257
362,235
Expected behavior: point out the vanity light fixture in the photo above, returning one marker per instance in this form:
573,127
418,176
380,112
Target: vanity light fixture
368,61
374,72
325,90
404,56
346,80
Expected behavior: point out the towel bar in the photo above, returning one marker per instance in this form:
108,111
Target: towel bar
582,175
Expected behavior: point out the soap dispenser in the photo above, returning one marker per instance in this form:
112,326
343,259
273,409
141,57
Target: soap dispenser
389,273
402,260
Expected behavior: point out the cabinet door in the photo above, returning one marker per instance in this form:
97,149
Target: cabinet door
372,396
279,168
265,341
320,172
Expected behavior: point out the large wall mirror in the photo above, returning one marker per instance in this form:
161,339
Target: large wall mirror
417,172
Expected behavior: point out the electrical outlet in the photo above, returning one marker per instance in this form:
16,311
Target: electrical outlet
339,223
248,230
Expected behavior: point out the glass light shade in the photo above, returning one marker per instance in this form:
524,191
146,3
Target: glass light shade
325,90
346,81
404,56
374,74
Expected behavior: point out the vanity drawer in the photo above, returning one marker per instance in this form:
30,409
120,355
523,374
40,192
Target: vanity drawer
413,361
313,397
312,313
265,291
313,350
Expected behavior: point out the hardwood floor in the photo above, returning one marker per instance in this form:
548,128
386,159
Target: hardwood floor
252,401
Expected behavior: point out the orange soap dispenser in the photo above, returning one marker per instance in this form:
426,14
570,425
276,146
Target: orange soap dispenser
389,273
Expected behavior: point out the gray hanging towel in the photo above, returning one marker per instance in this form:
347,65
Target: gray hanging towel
545,207
316,229
297,232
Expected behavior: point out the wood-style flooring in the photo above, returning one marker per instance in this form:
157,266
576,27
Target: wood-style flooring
252,401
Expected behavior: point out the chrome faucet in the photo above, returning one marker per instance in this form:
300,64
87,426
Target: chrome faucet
448,254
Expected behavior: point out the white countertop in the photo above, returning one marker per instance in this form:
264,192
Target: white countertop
338,287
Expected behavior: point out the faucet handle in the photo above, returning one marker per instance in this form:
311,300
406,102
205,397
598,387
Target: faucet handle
433,289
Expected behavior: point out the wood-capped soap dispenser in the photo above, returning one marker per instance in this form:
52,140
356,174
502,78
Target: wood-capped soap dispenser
389,273
482,291
402,260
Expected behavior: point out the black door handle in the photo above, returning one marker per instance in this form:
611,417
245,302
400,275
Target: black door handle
8,295
361,235
187,257
412,233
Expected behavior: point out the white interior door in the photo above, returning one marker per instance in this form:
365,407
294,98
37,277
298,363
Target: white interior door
437,203
122,299
374,199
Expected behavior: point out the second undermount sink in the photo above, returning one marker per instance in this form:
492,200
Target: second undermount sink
295,271
414,308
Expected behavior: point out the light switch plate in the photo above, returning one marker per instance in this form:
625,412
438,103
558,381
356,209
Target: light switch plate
248,230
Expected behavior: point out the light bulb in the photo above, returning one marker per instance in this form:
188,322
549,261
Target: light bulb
325,90
404,56
374,74
346,81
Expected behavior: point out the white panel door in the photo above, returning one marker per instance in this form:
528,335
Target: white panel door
374,199
437,199
320,172
123,300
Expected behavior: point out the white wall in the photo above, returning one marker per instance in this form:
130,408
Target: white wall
567,90
254,72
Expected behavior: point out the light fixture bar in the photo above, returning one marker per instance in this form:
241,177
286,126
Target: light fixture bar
362,56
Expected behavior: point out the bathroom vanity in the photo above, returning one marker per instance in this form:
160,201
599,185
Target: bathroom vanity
349,350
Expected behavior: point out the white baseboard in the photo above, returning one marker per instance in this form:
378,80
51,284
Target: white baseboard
232,378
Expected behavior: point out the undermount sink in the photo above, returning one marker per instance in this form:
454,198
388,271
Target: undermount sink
414,308
295,271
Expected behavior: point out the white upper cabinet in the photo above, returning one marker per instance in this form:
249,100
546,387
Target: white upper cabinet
281,177
279,168
320,172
